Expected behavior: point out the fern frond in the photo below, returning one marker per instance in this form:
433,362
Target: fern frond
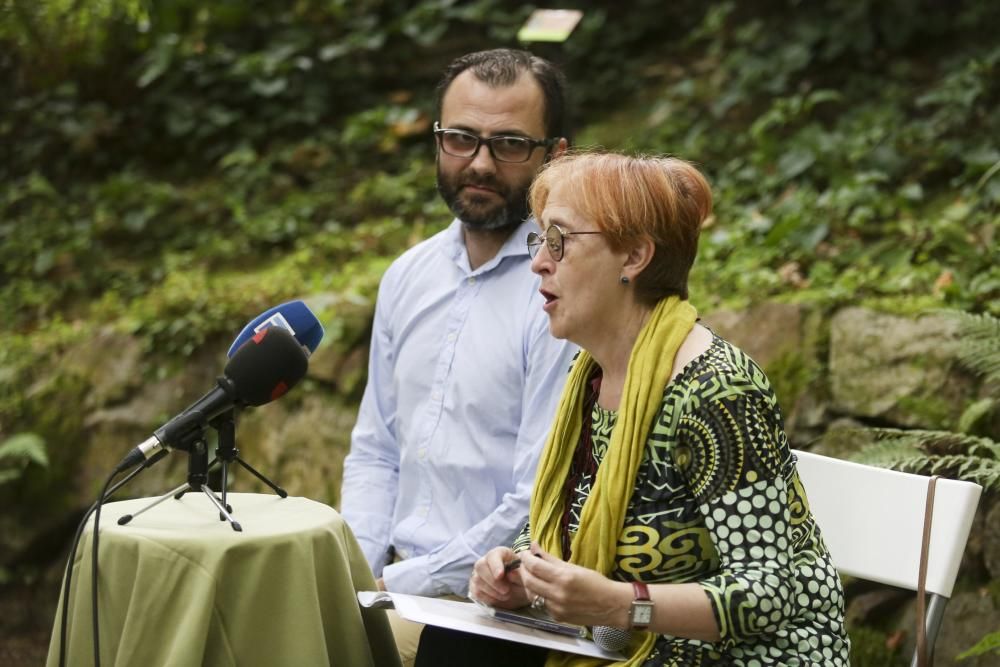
976,412
978,344
984,472
936,442
952,455
7,476
24,446
986,449
988,644
895,455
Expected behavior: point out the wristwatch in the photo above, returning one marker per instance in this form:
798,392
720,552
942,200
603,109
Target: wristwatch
641,613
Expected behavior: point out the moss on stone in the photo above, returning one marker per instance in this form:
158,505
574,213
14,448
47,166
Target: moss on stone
871,647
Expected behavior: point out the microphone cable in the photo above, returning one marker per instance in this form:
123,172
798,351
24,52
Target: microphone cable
93,568
68,577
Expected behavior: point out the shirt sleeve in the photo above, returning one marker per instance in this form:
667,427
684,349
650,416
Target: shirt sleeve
371,468
447,569
734,456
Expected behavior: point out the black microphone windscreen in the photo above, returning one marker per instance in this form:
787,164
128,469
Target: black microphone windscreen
267,366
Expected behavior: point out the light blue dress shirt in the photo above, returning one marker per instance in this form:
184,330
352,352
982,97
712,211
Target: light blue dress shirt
463,383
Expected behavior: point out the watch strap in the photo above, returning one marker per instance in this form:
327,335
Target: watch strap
641,611
641,590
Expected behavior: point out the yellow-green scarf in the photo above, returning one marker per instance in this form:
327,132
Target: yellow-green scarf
603,514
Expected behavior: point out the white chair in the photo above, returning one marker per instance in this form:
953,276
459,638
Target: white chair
872,522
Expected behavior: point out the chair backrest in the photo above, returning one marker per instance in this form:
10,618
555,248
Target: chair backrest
872,521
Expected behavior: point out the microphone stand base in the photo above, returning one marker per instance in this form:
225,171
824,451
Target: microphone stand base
198,469
222,510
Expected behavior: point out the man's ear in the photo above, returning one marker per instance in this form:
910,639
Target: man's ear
638,258
561,147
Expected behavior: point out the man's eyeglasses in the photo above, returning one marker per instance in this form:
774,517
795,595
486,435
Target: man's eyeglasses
503,148
554,239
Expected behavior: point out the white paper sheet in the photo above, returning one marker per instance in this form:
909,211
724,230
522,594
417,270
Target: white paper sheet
467,617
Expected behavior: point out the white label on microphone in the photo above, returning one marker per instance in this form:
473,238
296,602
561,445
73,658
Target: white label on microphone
277,320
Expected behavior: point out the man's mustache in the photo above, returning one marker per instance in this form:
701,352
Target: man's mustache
488,182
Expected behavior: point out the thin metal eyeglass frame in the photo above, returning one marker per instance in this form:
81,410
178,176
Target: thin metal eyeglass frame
439,133
535,240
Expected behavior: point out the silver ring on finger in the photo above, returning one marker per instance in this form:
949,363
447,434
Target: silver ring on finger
538,602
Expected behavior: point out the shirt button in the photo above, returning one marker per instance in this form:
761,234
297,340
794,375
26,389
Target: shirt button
436,395
472,280
451,337
422,453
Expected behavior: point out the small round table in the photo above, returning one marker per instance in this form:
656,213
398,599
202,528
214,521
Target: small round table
177,586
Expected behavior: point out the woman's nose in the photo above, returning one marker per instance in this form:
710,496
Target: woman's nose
542,261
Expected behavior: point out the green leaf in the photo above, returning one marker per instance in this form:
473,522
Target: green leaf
795,162
333,51
974,413
982,157
269,88
159,61
988,644
27,446
912,191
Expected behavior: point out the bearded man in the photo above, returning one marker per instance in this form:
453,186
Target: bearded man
463,375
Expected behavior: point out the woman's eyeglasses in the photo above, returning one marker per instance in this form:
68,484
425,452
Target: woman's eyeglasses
554,239
503,148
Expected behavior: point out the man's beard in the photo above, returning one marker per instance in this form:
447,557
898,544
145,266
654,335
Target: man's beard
504,216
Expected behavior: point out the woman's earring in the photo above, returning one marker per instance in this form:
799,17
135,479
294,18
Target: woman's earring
624,280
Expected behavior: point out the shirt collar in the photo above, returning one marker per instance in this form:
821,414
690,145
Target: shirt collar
515,246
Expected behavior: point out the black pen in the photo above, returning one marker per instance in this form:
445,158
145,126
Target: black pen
513,565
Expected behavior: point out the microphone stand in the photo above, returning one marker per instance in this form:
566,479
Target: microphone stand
226,452
198,468
197,480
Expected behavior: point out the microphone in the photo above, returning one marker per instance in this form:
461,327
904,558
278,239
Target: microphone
265,367
610,638
294,316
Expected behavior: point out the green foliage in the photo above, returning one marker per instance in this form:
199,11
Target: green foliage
990,644
186,82
978,347
849,162
39,396
870,648
978,412
942,453
79,25
869,168
790,375
19,450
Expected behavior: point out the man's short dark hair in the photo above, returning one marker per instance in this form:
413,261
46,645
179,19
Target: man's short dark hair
502,67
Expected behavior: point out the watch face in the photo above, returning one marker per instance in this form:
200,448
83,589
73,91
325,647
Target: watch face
642,613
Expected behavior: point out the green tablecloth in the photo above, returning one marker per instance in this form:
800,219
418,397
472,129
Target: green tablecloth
179,587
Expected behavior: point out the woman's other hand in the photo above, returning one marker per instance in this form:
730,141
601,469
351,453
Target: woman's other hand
574,594
493,584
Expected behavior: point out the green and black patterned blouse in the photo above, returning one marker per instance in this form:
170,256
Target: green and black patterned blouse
718,501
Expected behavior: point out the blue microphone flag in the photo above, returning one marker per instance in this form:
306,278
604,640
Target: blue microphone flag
293,316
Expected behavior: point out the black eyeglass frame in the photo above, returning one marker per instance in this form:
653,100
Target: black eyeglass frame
440,132
535,241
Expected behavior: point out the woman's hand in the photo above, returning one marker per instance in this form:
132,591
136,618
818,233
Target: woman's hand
490,583
574,594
